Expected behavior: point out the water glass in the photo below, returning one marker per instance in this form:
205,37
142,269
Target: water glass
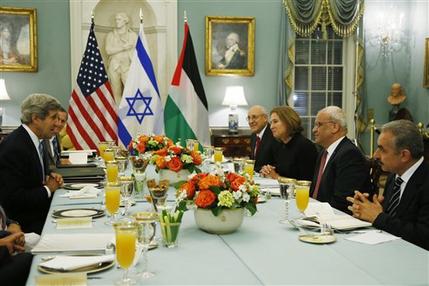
208,152
146,233
139,179
127,191
239,165
158,196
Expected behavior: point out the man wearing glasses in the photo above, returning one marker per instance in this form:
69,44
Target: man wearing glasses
341,167
262,139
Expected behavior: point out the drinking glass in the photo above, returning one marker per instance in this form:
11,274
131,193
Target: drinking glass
190,144
158,196
302,197
126,238
122,164
287,188
249,168
208,152
139,179
102,146
146,233
238,165
127,191
112,171
218,155
109,155
113,199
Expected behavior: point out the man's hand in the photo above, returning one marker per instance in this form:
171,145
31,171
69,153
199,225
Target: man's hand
16,228
54,181
10,242
363,208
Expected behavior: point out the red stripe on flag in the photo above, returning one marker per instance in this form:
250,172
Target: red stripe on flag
112,130
73,139
80,129
178,72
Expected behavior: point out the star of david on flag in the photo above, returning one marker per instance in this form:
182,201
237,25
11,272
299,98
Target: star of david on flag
140,110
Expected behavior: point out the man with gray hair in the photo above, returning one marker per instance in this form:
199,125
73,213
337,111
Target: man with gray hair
404,211
26,184
341,167
234,57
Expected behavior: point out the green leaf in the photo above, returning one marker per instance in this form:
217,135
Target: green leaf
178,184
216,211
215,189
252,208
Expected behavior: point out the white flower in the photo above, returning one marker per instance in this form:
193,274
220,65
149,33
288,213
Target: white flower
181,196
242,188
167,158
237,196
246,197
191,176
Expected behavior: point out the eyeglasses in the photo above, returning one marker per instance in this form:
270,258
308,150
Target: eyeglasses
317,124
253,117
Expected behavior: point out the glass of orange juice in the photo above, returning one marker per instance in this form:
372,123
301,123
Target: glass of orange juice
126,239
109,155
102,146
218,155
302,194
112,199
249,168
112,171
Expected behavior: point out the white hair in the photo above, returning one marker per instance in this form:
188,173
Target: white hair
336,114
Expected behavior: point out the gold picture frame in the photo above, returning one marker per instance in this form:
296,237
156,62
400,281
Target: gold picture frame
18,39
230,46
426,71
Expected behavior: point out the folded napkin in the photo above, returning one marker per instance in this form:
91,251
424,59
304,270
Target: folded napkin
266,182
87,192
70,263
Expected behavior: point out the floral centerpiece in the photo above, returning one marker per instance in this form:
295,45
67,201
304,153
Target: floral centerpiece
176,158
145,143
215,192
219,200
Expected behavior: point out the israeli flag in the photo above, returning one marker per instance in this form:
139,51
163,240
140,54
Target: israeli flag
140,110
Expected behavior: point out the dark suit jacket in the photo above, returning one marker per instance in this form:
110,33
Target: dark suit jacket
50,158
346,171
411,221
265,152
296,159
22,194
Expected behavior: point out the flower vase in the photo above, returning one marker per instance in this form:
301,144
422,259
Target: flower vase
227,221
173,177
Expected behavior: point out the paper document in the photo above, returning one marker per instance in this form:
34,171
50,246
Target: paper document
87,192
73,243
325,214
266,182
373,237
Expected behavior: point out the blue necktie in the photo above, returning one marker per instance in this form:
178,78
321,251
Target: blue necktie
55,145
395,199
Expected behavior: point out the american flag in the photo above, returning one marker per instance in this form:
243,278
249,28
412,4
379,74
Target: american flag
92,111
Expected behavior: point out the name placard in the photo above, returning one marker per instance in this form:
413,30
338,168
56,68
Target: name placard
69,279
74,223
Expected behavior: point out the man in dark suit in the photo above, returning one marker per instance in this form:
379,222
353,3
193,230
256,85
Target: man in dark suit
404,211
52,146
262,141
341,167
14,264
234,57
26,185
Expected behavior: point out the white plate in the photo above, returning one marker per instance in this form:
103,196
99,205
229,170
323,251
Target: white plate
78,212
82,185
304,224
88,269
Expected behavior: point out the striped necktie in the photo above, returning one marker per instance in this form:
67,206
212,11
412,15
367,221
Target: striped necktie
395,199
42,159
2,219
257,144
320,174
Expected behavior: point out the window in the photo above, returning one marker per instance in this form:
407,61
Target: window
319,72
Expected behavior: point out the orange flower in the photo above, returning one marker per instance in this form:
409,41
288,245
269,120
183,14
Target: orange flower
175,164
196,157
209,181
141,147
161,152
158,138
160,162
189,188
235,185
196,179
143,139
170,142
175,149
205,199
232,176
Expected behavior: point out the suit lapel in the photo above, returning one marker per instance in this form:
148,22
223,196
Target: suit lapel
416,180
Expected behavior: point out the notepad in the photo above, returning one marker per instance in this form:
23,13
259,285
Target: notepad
373,237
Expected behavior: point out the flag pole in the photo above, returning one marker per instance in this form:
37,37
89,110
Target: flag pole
185,18
141,19
92,16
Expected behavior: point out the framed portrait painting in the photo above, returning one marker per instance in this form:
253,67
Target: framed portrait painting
426,71
18,39
230,46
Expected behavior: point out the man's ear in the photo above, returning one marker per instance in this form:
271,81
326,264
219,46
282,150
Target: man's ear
405,155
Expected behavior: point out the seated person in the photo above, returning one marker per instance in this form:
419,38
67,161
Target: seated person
341,167
262,138
14,264
295,156
404,210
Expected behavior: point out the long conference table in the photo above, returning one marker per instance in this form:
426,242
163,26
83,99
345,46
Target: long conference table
261,252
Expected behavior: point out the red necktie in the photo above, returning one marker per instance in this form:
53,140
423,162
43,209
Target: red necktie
258,142
320,174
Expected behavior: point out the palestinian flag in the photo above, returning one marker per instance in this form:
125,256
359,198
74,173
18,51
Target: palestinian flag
186,109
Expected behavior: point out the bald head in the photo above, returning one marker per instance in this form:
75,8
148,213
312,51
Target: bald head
258,118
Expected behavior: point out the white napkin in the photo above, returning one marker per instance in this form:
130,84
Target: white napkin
69,263
373,237
87,192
